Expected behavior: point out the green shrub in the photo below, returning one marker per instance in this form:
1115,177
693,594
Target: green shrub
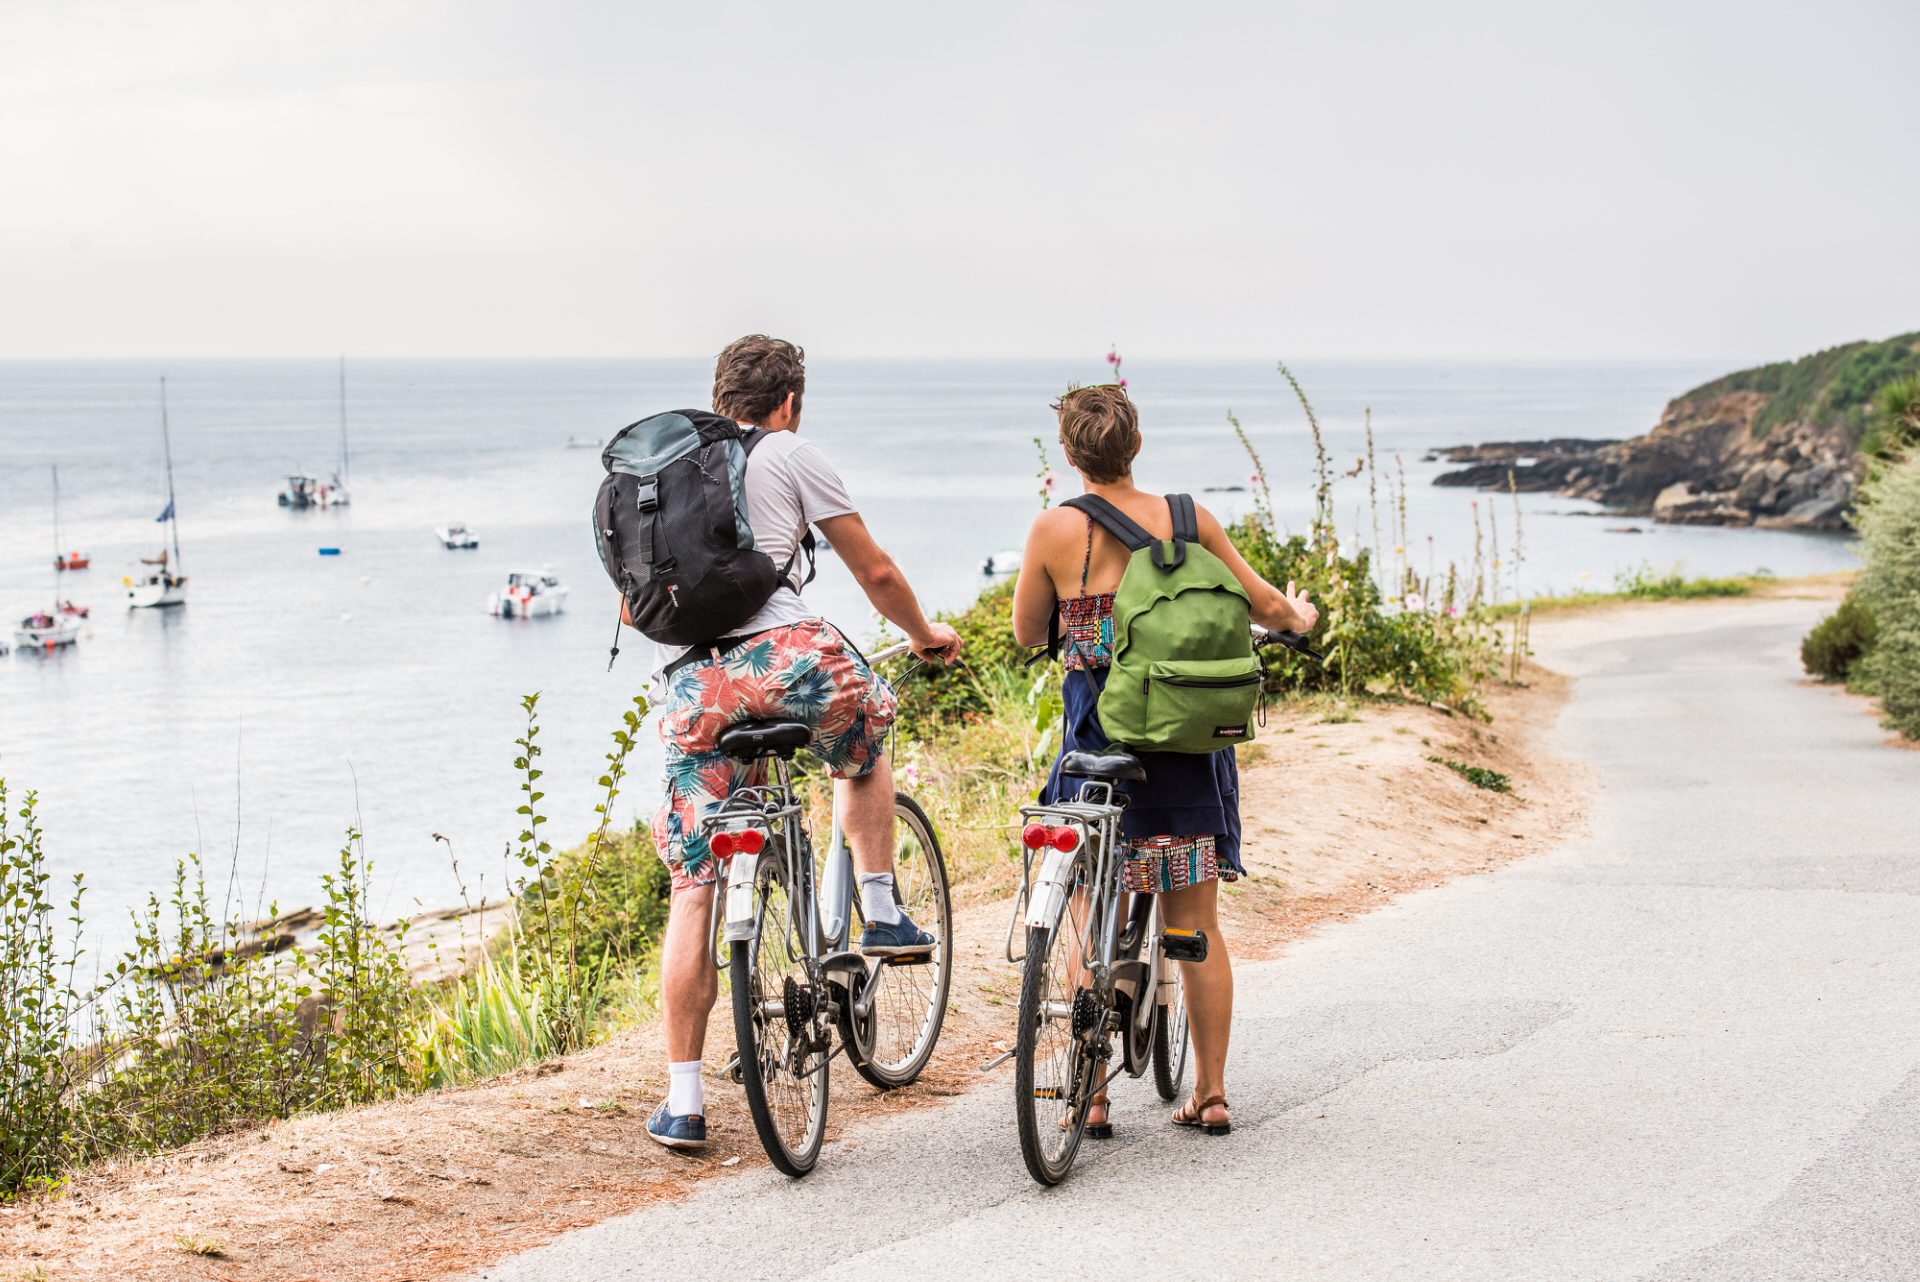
1838,642
1644,583
1481,777
1888,518
935,695
1895,425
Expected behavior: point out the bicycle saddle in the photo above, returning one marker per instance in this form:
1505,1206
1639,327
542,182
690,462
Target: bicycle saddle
1109,763
751,740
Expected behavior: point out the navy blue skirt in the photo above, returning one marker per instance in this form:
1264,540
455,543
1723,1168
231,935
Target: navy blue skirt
1185,794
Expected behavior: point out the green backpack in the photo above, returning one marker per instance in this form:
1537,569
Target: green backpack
1184,678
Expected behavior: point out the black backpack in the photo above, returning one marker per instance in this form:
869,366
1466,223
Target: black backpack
670,521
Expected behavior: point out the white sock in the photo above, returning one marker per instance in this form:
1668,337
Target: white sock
876,899
686,1093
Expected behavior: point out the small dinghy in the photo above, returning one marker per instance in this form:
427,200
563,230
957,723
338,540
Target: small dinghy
529,594
46,631
1001,563
454,536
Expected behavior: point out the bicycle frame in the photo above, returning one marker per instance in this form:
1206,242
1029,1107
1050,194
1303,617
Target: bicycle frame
1046,900
825,911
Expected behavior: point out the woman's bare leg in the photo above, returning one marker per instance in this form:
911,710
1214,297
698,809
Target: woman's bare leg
1209,989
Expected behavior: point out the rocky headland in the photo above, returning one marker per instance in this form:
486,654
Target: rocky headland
1776,446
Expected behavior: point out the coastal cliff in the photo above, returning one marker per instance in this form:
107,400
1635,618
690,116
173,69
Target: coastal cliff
1777,446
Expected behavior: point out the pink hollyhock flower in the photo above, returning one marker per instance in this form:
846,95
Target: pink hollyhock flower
1123,382
1050,481
1416,603
910,775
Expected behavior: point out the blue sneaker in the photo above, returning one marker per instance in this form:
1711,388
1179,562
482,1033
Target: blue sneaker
688,1132
895,939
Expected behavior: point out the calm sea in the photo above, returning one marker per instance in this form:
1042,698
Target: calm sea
297,694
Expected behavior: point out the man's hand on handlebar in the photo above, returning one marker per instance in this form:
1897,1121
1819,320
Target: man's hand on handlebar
1305,613
941,643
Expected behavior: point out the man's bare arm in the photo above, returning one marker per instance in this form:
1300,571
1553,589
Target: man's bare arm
887,587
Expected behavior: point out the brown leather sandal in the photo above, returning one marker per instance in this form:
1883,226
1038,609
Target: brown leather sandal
1193,1114
1095,1130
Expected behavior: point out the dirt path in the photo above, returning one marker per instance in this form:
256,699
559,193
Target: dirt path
1342,812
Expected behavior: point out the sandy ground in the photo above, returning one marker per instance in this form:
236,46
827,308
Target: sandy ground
1342,810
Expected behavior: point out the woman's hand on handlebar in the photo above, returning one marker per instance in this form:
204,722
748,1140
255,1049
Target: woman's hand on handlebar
1305,613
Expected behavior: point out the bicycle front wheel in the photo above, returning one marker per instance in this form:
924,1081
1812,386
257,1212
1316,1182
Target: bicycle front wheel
1054,1068
892,1045
782,1034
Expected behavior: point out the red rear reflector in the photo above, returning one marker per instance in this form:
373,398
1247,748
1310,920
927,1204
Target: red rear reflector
748,841
1034,836
723,844
1065,838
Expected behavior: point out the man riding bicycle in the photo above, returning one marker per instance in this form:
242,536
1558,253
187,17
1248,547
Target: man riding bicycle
784,663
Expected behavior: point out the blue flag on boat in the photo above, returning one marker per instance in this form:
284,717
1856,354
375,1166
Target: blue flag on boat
166,515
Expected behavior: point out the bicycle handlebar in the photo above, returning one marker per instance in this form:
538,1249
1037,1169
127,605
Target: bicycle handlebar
1295,641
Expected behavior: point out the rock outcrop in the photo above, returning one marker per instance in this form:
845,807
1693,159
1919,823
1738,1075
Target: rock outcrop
1774,446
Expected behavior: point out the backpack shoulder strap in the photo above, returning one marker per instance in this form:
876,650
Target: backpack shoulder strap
750,438
1186,529
1112,520
1186,520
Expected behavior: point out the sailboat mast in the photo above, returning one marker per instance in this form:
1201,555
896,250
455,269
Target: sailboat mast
166,442
343,419
57,553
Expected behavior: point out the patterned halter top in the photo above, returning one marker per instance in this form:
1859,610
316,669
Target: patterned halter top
1087,621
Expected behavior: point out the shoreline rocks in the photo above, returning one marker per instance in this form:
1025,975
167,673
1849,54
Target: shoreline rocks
1704,464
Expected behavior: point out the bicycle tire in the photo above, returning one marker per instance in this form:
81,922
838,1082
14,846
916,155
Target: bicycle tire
771,1085
1172,1046
907,1014
1049,1141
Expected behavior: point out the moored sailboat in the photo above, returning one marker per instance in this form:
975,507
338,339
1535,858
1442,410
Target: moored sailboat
71,559
164,584
309,491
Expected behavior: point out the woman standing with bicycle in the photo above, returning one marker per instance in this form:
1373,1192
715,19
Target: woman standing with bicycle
1181,825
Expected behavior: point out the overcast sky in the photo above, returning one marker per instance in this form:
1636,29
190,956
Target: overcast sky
396,178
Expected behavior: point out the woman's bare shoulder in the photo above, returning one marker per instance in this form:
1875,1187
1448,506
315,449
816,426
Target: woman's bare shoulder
1057,524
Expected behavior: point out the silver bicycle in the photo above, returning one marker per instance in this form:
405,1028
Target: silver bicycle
1096,963
781,931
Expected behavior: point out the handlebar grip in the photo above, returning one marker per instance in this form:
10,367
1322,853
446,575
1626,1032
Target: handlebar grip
1295,641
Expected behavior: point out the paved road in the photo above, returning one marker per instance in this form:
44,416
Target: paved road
1685,1047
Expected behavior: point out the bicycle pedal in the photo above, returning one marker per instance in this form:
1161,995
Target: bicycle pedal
1048,1092
1184,945
731,1069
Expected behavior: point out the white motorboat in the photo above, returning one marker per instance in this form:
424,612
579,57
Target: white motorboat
454,536
162,584
584,443
529,594
46,630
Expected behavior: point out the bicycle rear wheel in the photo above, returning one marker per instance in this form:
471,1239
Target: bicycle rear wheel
1054,1070
891,1047
1170,1041
783,1039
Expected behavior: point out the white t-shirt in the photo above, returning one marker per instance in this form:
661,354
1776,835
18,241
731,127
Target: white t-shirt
790,485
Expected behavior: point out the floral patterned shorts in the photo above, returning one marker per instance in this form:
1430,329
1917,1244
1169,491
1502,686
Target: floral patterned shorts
804,671
1160,864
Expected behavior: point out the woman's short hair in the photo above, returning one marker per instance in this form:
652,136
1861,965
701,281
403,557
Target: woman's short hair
1100,430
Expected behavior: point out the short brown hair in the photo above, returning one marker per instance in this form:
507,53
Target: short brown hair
1099,430
754,375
